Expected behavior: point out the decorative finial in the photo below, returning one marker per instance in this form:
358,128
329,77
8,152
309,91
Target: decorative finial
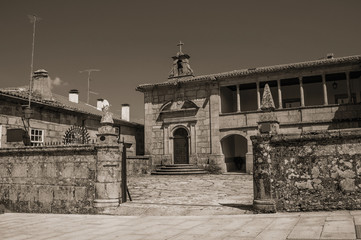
267,99
180,44
108,116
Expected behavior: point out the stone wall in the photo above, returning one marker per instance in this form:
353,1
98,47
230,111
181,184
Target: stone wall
137,165
159,126
308,172
60,179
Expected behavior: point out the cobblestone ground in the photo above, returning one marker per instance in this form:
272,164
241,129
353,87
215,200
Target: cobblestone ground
188,195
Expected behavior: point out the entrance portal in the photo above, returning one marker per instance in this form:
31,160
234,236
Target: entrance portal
180,146
234,149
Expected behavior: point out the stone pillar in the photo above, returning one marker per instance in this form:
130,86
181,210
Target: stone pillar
258,97
165,140
325,97
108,172
268,125
349,97
302,95
262,176
238,99
193,139
279,94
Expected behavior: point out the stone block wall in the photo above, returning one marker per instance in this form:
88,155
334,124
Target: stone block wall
157,125
137,165
308,172
59,179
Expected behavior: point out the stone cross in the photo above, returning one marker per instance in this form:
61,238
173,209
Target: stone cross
180,44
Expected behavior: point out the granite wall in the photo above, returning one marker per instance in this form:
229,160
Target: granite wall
60,179
138,165
307,172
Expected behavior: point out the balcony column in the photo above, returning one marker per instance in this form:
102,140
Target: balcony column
258,97
348,87
302,95
279,94
325,98
238,99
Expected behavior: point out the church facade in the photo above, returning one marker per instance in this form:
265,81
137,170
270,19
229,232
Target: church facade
209,119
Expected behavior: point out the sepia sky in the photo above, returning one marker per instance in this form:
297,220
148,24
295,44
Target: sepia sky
132,41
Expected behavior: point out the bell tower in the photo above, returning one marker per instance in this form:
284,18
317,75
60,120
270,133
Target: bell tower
181,67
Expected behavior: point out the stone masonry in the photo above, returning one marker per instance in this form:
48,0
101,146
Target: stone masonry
308,172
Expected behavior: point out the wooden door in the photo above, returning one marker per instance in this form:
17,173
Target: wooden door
180,146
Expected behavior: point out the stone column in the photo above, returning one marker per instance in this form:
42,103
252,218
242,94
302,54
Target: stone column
108,172
258,97
262,176
279,94
349,97
301,92
238,99
325,97
193,139
165,140
268,125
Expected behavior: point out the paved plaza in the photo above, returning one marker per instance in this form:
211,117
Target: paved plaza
185,207
321,225
188,195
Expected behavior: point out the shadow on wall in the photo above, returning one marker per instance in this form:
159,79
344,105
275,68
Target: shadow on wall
346,116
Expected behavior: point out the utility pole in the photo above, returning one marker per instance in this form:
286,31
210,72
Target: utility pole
89,71
33,19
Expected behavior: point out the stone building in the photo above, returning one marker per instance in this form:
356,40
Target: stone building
54,115
209,119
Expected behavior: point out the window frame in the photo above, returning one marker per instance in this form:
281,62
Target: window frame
33,136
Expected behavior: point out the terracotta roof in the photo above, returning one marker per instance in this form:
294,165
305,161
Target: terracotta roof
59,102
250,71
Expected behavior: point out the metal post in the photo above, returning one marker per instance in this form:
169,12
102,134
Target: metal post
125,189
124,173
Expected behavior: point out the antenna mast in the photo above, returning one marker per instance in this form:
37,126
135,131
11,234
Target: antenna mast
89,71
33,19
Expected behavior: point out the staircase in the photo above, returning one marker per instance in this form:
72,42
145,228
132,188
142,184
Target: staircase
179,169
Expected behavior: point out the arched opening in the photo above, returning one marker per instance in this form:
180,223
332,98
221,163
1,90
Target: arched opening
180,145
234,148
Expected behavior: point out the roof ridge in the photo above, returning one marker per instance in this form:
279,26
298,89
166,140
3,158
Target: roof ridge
247,71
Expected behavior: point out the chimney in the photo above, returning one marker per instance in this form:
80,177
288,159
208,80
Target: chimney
41,85
100,104
329,55
125,112
74,96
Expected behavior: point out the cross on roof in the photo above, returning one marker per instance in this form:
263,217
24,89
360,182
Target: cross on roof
180,44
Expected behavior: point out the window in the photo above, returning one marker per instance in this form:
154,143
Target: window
343,98
291,103
36,137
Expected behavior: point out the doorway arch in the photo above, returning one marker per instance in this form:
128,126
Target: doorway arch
180,146
235,148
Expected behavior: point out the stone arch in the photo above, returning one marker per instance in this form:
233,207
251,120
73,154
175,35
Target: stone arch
235,148
180,136
166,106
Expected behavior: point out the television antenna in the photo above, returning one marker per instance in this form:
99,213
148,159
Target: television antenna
89,71
33,19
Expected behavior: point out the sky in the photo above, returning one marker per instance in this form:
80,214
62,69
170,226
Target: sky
131,42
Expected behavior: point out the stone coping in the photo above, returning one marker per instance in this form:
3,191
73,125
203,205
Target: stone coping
54,148
311,136
144,157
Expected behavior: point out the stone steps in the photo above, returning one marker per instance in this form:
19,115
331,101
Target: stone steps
179,169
